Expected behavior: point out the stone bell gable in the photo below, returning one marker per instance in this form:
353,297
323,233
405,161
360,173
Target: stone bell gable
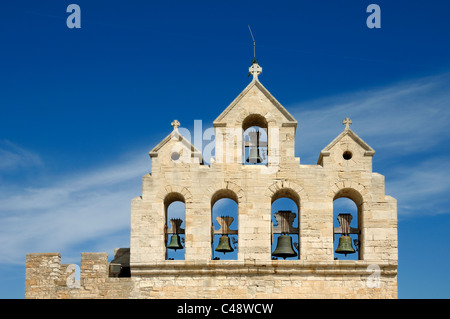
253,167
347,152
255,106
176,147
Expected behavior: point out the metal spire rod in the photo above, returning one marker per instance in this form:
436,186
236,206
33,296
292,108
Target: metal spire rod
254,49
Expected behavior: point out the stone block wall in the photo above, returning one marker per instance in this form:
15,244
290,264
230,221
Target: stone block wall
47,278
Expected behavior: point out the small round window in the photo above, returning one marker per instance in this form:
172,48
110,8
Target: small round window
347,155
175,156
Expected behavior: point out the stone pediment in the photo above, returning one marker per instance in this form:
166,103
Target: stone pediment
176,141
347,135
255,98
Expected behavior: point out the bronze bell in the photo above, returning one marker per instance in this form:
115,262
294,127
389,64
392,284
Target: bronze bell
224,245
345,246
175,243
254,156
284,247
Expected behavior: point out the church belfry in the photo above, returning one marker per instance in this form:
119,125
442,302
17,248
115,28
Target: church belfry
256,202
255,127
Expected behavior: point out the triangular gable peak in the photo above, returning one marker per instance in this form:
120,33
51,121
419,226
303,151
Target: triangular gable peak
255,111
177,144
345,147
254,99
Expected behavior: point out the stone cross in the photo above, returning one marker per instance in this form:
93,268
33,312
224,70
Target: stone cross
254,70
347,122
175,124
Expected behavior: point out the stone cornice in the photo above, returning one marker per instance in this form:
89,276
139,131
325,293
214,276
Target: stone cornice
282,267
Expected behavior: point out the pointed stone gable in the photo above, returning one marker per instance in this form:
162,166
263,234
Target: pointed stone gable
345,146
175,142
255,99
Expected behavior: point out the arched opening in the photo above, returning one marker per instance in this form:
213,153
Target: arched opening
285,211
347,208
224,225
255,140
175,208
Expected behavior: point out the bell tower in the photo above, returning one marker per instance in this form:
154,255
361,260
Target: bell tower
255,128
255,167
280,225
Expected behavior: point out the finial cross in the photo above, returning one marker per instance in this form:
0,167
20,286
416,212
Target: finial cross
254,70
347,122
175,124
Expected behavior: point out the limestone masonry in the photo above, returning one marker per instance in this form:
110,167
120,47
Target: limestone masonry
179,174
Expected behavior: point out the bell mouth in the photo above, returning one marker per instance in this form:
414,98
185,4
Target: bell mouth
224,245
284,247
345,246
175,243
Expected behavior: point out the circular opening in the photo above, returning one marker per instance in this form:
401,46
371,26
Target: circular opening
175,156
347,155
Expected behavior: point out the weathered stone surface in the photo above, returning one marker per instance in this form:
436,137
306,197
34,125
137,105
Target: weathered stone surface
344,169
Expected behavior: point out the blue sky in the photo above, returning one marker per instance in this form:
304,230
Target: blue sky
81,108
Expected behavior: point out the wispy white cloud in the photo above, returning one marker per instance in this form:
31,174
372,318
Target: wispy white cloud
74,210
13,157
422,188
407,125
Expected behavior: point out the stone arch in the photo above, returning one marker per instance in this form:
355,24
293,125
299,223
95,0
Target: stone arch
224,187
244,114
172,196
175,189
285,186
357,193
349,188
230,191
254,119
241,117
254,135
284,189
224,193
354,191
